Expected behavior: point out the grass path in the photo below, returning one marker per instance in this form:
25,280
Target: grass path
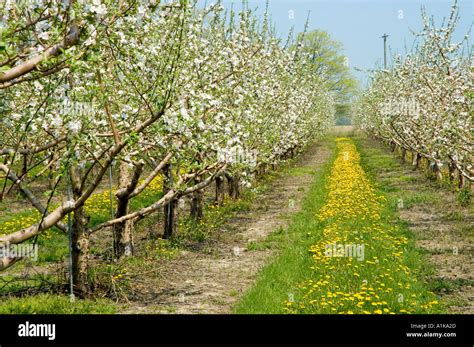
441,226
211,277
343,253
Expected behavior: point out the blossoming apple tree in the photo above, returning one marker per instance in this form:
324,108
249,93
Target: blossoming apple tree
132,91
423,104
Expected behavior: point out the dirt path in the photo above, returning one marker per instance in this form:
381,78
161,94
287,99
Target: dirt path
443,231
211,281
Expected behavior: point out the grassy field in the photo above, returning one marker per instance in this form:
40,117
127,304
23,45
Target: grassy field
277,280
344,207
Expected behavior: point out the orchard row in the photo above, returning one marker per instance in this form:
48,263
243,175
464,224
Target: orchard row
140,91
423,103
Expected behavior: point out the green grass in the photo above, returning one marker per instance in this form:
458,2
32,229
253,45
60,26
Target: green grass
414,258
410,199
464,197
440,285
284,278
405,178
276,280
300,171
55,304
12,284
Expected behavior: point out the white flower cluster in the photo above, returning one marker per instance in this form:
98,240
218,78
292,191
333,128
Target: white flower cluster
166,79
423,103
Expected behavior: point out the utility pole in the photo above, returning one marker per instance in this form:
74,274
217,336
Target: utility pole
385,50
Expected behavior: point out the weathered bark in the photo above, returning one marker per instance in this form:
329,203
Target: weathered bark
404,154
236,189
170,219
80,240
169,209
415,160
393,146
220,194
24,169
452,171
234,186
464,182
80,252
123,231
197,202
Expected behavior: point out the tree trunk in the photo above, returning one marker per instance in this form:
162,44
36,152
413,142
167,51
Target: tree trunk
404,154
434,168
24,168
415,160
123,242
439,173
260,170
220,194
264,169
197,202
452,172
170,219
50,174
464,183
393,146
80,253
234,186
123,232
169,210
80,240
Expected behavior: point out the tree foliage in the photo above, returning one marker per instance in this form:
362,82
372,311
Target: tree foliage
146,90
424,102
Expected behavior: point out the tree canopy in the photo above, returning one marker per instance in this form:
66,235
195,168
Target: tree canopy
328,61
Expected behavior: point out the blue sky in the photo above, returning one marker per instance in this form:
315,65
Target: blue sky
359,24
